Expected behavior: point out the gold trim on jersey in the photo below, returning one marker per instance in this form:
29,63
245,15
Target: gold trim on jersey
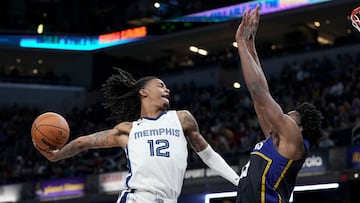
282,175
280,199
263,177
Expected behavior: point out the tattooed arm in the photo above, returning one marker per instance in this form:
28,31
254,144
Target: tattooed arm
204,150
116,137
191,130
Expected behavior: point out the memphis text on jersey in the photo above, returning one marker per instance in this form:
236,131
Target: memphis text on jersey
157,132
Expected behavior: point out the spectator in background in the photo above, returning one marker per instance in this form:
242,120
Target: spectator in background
355,110
325,141
355,134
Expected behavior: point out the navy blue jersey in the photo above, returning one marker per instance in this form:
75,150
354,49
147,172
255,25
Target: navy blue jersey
268,177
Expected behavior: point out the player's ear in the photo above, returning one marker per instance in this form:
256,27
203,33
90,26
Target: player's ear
301,128
143,92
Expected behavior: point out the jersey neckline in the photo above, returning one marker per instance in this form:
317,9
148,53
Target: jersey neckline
149,118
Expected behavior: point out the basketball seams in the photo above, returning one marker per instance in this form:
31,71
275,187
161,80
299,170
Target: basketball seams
50,138
55,126
42,117
50,122
36,138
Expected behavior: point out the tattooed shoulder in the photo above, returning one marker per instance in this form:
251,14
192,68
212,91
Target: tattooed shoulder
188,121
123,128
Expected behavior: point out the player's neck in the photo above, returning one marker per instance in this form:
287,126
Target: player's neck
150,112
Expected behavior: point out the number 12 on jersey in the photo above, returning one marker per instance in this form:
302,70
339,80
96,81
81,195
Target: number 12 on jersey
159,147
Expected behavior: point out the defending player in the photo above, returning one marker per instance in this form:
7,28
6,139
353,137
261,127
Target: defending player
270,175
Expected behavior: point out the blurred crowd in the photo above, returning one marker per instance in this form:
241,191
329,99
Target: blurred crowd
225,115
25,73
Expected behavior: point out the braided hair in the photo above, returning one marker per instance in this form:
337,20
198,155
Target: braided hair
121,93
310,122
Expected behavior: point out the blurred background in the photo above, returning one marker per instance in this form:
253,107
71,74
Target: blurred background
56,54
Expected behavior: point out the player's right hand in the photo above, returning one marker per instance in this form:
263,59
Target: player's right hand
50,155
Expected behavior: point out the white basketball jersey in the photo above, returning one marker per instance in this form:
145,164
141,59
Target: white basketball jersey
157,155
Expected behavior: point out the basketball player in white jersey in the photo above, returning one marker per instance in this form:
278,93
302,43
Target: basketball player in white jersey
153,137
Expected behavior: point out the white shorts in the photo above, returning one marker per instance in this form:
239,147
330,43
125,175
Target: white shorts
132,196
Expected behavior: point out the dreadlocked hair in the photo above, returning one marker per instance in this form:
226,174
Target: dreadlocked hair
121,95
310,122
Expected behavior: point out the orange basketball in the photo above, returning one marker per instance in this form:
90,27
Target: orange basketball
50,131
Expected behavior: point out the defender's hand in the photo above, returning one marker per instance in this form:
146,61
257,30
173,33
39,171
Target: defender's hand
249,25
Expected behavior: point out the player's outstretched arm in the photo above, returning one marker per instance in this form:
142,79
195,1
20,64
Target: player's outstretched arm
204,150
245,38
266,108
101,139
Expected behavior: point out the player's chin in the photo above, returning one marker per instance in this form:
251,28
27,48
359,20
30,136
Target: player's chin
166,104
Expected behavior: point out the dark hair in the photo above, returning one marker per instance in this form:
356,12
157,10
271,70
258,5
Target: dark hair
121,93
310,122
